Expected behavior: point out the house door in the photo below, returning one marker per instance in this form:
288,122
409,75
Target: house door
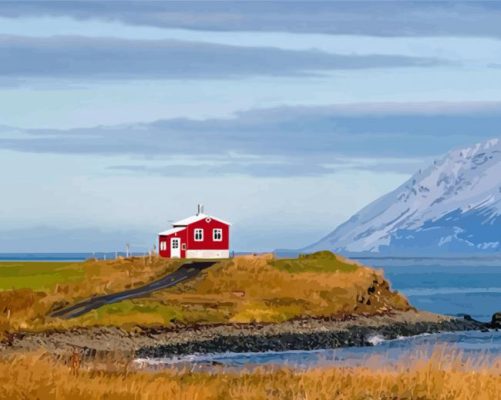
175,248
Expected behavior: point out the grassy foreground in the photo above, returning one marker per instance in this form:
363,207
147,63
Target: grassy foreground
38,275
443,377
241,290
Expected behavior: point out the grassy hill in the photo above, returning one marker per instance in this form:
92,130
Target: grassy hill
245,289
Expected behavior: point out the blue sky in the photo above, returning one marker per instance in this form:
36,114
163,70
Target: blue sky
282,117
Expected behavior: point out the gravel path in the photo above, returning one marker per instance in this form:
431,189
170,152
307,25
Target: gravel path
186,271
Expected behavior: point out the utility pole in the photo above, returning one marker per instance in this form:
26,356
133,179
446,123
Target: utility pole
127,249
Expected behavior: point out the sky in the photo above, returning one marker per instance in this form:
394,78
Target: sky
282,117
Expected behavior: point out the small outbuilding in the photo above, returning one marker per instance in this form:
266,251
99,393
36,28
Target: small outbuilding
198,236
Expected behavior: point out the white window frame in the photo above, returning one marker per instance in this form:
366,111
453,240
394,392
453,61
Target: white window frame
215,231
163,245
198,235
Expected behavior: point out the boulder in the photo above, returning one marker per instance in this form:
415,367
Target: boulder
467,317
496,320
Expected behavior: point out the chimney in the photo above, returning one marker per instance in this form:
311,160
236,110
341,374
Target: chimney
200,209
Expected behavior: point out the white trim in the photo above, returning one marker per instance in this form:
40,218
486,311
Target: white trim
207,254
201,232
214,230
196,218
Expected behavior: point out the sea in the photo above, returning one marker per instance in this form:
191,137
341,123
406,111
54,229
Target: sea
448,286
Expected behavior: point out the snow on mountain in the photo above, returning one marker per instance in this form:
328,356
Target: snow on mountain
452,207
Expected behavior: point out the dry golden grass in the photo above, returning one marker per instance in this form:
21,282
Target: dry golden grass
28,308
443,377
244,289
254,289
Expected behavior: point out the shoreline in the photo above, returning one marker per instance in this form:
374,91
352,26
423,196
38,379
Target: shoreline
299,334
304,335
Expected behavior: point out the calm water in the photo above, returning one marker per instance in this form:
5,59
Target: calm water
450,290
447,289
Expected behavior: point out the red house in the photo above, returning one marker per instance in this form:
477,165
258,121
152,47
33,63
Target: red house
198,236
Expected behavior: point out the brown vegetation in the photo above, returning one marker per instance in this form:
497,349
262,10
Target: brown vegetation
244,289
446,376
273,294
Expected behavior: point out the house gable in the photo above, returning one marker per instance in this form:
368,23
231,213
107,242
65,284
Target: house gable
207,225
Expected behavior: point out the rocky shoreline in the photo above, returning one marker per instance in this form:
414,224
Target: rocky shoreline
301,334
352,335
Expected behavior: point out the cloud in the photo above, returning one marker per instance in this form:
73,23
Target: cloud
285,141
382,18
256,169
270,167
107,58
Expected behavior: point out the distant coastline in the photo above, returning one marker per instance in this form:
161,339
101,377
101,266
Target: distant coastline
453,260
387,260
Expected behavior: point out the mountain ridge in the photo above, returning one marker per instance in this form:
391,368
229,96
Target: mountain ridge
451,207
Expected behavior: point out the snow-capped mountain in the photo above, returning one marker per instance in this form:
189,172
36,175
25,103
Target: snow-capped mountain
452,207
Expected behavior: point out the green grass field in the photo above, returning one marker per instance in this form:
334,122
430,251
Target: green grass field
38,275
323,261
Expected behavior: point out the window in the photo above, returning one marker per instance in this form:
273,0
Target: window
217,235
163,245
174,243
199,235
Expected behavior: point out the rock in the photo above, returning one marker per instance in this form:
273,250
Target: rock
496,320
306,340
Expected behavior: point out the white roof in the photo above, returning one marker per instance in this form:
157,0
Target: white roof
171,231
195,218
